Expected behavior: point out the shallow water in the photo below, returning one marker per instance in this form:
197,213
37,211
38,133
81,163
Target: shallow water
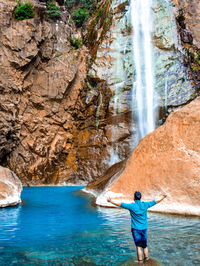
58,226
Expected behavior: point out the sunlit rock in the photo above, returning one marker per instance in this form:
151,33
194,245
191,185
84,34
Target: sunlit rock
10,188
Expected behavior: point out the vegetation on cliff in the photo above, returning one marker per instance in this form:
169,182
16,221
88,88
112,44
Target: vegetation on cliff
23,11
53,11
80,16
76,42
88,5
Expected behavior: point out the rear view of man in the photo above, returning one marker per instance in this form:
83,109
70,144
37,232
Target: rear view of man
138,212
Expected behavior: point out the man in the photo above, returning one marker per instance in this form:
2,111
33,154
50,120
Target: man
138,212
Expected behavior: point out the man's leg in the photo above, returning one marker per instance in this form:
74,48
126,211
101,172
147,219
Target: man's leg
146,253
144,244
139,254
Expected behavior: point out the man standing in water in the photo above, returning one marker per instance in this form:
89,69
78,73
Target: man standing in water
138,212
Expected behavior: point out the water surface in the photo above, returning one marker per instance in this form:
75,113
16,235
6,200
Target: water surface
58,226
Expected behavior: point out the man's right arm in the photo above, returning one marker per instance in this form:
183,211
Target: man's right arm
119,204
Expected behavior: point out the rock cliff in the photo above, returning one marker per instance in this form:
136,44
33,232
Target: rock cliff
66,113
48,120
188,22
165,161
41,78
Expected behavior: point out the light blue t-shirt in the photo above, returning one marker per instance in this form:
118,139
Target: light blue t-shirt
138,212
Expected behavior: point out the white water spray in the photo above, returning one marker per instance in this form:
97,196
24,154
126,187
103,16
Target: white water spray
142,27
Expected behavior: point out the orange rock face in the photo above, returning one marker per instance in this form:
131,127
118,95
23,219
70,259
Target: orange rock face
167,161
10,188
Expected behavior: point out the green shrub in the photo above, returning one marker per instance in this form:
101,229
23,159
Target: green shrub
53,11
76,42
88,5
24,11
79,16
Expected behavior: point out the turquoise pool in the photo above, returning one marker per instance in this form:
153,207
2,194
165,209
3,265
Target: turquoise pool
58,226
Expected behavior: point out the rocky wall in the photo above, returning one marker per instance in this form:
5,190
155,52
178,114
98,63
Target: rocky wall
188,23
42,76
66,113
50,111
114,64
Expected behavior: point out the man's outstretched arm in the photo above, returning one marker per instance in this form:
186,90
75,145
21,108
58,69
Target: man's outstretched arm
159,200
114,202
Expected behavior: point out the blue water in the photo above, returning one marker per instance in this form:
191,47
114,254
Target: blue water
58,226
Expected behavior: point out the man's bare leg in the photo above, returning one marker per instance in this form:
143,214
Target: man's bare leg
146,253
139,254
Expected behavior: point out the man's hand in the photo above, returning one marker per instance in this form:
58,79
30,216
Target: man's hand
113,202
163,197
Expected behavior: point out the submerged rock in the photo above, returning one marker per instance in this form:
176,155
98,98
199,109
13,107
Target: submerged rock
166,161
10,188
132,262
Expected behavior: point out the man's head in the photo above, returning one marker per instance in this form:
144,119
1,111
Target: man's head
137,195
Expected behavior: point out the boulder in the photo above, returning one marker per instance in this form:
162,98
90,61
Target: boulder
10,188
165,161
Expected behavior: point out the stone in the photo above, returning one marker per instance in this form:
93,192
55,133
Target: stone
10,188
167,161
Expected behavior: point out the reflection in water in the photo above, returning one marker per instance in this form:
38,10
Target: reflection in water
59,227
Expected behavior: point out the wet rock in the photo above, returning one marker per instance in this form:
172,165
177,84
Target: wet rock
190,13
117,132
114,65
173,84
167,161
10,188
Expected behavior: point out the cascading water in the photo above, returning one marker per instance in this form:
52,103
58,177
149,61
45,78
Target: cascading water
142,49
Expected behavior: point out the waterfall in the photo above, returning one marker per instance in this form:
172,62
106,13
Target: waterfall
141,19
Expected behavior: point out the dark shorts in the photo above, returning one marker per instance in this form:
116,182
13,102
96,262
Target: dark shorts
140,237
